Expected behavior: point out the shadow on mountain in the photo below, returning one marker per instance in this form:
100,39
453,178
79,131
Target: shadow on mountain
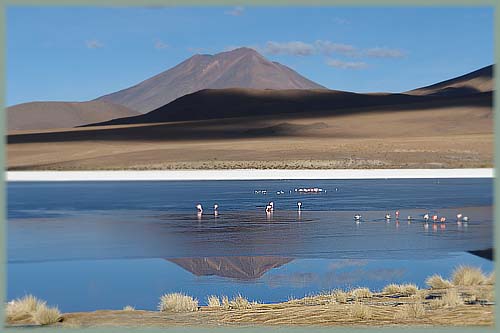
236,103
456,91
260,124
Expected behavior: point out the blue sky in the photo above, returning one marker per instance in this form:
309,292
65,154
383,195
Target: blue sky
80,53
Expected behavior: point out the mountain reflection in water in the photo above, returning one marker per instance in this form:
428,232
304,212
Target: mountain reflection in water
241,268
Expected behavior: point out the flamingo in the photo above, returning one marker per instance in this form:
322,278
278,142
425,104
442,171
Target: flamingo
397,214
426,217
434,218
357,217
269,209
299,204
272,206
443,219
200,208
216,209
387,216
410,218
459,216
466,219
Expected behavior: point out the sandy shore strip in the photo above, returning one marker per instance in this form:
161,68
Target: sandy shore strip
322,310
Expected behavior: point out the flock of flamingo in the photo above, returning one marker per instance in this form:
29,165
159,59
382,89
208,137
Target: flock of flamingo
357,218
435,218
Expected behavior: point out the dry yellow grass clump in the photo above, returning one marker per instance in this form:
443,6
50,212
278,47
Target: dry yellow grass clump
225,302
403,289
391,289
421,294
45,315
177,302
236,303
239,302
213,301
22,308
129,308
450,299
360,311
408,289
410,311
30,307
437,282
468,276
340,296
361,293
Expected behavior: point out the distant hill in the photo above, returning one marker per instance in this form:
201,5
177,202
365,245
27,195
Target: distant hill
471,83
242,268
239,68
237,102
52,115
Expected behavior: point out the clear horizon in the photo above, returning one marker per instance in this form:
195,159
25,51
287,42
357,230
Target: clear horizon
81,53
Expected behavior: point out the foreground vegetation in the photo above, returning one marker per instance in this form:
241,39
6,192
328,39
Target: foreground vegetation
466,299
30,309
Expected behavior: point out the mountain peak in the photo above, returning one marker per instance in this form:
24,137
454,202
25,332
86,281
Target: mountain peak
241,67
242,49
236,51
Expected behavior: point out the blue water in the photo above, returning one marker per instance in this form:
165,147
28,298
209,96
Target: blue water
53,197
104,245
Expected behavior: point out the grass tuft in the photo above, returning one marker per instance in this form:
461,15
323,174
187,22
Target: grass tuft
129,308
410,311
408,289
468,276
437,282
450,299
225,302
360,311
22,308
213,301
420,295
240,303
177,302
340,296
359,293
46,316
391,289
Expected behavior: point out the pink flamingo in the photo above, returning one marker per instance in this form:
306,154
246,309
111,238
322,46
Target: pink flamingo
269,208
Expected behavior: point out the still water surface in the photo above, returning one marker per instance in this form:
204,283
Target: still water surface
103,245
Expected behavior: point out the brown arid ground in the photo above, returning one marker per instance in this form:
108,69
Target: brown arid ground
379,309
408,137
